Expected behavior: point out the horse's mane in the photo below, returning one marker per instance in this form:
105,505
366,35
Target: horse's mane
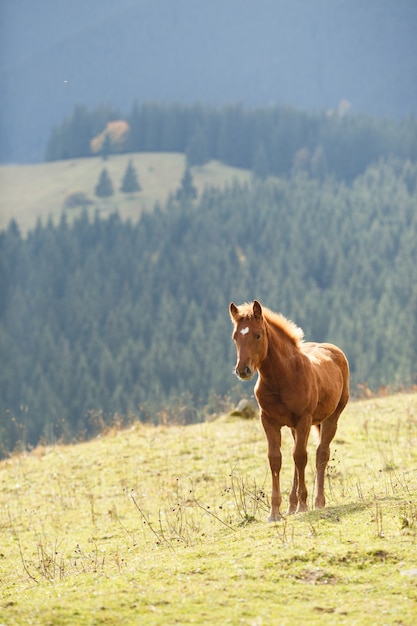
277,320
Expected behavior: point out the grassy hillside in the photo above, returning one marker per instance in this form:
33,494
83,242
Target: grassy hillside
164,525
32,191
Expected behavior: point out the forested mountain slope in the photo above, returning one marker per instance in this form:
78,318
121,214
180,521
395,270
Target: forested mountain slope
113,316
272,140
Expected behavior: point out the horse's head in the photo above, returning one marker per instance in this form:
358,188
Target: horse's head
250,338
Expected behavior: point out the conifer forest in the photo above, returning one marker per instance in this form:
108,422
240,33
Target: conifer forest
101,317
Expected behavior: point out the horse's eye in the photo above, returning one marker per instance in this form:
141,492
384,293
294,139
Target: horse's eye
257,336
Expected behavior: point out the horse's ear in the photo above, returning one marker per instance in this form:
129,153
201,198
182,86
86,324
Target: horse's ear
257,310
234,311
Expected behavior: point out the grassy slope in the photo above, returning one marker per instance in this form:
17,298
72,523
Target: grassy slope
31,191
164,525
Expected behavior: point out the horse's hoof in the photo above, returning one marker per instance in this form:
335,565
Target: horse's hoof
302,509
275,518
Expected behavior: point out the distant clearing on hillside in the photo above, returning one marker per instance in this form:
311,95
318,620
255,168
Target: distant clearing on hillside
29,192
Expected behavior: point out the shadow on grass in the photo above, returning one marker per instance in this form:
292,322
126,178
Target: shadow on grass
335,513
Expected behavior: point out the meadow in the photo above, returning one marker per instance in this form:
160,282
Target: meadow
29,192
167,525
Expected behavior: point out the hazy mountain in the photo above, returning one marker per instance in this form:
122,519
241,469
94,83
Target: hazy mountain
310,54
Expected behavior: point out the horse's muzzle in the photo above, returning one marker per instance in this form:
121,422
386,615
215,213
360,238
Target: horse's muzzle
244,373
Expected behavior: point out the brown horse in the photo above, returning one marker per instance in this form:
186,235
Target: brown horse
300,384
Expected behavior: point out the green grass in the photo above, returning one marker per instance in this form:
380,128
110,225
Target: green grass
167,525
32,191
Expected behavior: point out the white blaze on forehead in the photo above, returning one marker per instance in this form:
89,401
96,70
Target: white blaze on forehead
244,331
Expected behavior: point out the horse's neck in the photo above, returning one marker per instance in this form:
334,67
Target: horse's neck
279,362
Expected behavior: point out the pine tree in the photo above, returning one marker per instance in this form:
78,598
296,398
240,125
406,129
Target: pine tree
104,187
187,189
130,181
106,147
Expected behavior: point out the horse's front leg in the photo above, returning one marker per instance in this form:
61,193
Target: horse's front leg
300,434
273,435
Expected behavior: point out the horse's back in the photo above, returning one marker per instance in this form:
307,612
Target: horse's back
327,355
339,359
331,369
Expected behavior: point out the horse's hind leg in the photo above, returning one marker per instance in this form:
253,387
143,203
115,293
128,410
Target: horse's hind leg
293,500
327,432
